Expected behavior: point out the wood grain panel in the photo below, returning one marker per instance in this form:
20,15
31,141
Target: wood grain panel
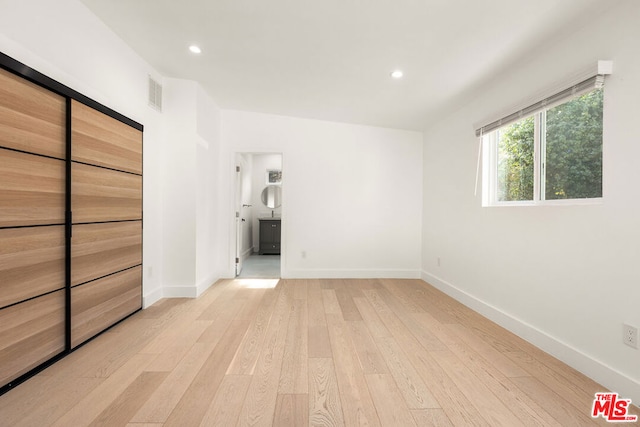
97,305
294,378
30,333
32,189
99,194
102,140
292,410
225,407
120,411
319,344
390,407
325,408
244,362
101,249
115,379
31,118
31,262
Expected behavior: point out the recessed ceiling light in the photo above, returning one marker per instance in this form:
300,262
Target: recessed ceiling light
397,74
195,49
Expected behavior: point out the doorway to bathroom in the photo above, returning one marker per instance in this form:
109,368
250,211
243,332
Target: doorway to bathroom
258,210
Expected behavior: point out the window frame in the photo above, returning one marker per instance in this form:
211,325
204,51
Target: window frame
490,165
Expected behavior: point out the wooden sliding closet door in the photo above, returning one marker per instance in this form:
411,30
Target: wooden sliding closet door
70,220
32,226
106,201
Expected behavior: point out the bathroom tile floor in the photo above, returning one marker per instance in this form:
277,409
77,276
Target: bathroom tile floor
261,266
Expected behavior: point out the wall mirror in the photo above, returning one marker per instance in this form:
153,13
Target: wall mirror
272,196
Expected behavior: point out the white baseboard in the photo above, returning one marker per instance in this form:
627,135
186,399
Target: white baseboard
190,291
206,283
594,369
180,292
151,298
351,274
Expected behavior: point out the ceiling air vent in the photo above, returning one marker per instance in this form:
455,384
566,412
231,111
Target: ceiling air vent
155,94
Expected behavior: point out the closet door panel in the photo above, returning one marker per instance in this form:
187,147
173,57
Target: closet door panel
32,262
32,118
97,305
99,194
70,227
104,141
31,333
32,189
101,249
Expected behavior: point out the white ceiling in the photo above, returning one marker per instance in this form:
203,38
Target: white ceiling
332,59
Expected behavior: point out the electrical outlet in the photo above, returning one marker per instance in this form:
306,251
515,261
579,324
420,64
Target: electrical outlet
630,335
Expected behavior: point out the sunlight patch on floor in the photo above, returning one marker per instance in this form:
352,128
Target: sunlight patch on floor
257,283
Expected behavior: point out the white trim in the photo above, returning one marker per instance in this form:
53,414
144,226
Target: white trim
556,202
248,252
190,291
539,179
206,284
351,274
593,368
180,292
231,265
151,298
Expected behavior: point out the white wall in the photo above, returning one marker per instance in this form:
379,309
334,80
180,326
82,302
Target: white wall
351,194
565,278
190,182
210,250
66,42
179,192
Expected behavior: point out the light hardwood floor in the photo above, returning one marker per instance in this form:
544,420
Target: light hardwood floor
306,352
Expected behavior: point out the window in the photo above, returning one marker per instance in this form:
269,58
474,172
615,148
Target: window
549,155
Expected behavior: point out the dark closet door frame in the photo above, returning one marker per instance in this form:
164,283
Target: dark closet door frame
18,68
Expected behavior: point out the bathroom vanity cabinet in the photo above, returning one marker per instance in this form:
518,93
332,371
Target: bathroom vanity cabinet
270,229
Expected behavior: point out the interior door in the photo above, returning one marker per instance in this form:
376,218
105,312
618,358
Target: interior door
238,210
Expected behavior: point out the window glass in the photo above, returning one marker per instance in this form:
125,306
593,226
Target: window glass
552,155
515,161
573,149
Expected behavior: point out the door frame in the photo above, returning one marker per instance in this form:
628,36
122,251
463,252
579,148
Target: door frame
236,233
238,215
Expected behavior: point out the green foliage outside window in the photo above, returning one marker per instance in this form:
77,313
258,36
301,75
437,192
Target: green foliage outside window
574,149
515,161
573,146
